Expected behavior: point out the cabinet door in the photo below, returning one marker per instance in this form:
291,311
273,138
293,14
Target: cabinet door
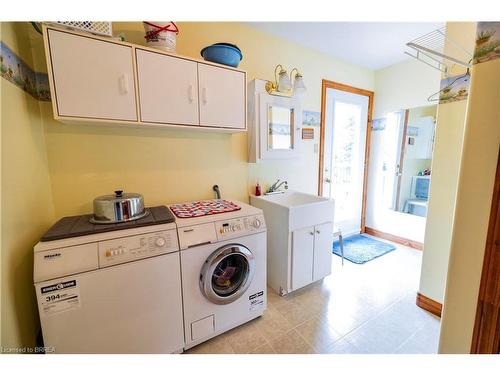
302,257
280,120
168,88
323,241
92,78
222,97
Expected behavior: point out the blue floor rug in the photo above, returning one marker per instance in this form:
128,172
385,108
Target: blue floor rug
360,249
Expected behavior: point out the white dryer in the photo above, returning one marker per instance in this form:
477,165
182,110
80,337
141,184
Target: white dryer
223,263
112,288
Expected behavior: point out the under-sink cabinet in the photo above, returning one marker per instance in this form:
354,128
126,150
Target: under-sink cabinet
299,238
311,254
104,81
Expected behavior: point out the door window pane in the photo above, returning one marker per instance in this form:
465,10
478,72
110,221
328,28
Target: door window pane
345,161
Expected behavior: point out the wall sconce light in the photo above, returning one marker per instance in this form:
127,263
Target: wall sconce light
285,85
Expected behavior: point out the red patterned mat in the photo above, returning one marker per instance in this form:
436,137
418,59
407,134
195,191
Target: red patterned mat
203,208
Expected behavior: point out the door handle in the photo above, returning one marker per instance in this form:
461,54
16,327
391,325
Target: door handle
123,82
190,94
204,95
317,231
311,233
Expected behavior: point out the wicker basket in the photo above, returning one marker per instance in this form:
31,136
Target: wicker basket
99,28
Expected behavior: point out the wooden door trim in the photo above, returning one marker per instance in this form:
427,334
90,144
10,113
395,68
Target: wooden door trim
429,304
391,237
326,84
402,157
486,335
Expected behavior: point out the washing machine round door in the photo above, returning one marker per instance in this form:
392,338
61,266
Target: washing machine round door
227,274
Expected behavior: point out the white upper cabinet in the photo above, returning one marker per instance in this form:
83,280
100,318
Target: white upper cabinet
91,78
222,97
168,88
103,81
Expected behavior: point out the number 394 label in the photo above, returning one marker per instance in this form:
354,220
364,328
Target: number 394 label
60,297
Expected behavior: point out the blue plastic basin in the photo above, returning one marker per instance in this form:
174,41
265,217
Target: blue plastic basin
222,54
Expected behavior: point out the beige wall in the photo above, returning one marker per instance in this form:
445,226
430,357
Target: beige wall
445,171
400,86
27,208
473,206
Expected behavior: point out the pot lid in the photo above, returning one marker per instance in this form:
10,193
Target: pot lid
119,195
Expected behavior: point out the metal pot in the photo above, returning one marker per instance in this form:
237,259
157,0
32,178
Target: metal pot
118,208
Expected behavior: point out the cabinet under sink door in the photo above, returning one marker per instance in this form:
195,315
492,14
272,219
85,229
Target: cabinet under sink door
91,78
168,88
311,254
302,257
222,97
323,242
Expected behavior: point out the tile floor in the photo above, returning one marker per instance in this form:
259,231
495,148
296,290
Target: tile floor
358,309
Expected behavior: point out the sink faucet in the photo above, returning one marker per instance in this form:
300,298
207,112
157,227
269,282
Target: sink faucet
274,187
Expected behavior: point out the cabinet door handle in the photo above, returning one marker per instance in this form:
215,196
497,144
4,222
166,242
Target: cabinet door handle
123,81
318,232
204,95
311,233
190,94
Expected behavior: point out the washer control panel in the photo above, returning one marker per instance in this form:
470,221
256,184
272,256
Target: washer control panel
240,226
126,249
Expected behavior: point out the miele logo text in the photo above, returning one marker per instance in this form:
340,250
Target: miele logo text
53,255
259,294
59,286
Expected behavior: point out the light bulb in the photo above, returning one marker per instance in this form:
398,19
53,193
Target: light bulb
284,83
298,85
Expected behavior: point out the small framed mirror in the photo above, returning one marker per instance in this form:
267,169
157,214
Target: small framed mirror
280,127
280,121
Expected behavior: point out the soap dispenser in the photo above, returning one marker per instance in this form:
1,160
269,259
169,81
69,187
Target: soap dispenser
258,190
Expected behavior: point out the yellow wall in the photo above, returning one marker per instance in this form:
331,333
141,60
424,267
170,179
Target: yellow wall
473,206
404,85
27,208
177,165
449,135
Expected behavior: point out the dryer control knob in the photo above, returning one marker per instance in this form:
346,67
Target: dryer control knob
160,242
256,223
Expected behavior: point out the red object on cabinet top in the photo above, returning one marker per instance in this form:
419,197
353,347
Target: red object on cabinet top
203,208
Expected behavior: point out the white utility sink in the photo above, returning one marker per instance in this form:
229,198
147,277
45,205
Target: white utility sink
299,238
298,210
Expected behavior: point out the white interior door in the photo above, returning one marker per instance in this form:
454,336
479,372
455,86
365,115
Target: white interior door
346,117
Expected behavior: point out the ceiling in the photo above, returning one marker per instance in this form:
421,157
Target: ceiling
373,45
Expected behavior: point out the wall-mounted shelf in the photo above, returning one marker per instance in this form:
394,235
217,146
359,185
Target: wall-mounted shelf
439,51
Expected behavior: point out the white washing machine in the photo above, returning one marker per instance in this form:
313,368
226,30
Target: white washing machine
223,263
117,291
